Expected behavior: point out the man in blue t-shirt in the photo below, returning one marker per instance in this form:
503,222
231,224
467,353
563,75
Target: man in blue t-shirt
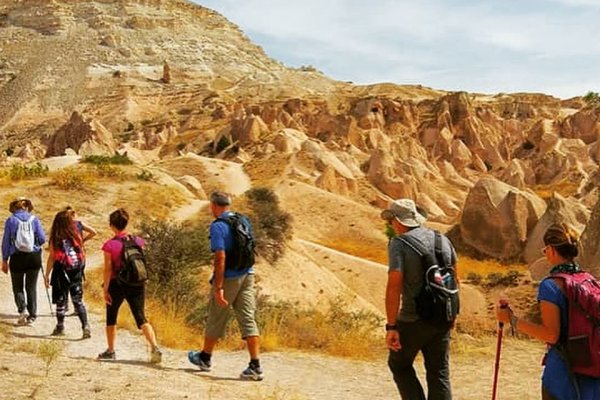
233,287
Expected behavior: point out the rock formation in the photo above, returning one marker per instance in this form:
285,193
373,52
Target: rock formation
86,136
497,218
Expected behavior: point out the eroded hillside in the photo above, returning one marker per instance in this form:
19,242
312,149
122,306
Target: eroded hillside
160,79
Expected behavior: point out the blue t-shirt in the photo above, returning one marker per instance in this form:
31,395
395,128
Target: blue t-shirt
557,378
221,239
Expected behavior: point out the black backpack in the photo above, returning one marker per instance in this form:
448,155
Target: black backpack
242,253
438,301
133,270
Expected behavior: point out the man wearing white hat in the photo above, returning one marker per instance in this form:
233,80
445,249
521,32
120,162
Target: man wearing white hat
407,332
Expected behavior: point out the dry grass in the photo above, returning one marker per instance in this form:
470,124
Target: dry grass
565,188
358,248
467,265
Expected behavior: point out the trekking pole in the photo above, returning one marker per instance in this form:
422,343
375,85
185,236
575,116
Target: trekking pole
49,302
503,304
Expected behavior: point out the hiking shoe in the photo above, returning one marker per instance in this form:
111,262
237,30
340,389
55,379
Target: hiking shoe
194,358
86,333
252,373
58,331
22,319
107,355
155,356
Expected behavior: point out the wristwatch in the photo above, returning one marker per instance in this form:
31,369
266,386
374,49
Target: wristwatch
390,327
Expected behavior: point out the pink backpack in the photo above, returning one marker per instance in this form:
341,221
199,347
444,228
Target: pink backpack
582,345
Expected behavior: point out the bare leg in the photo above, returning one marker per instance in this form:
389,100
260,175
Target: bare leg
253,343
111,337
149,334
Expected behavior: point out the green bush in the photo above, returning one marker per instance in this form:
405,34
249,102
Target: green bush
117,159
272,226
474,278
511,278
592,98
174,253
22,171
146,175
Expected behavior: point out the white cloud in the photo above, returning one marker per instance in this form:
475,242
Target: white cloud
476,46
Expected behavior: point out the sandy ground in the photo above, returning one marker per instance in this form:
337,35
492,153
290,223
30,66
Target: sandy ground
76,374
289,375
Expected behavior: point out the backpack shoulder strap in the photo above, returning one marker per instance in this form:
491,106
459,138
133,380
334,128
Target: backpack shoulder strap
419,247
414,243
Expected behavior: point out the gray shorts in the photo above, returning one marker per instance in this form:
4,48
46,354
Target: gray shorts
240,294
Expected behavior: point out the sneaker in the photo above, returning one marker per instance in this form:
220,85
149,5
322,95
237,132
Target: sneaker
107,355
30,320
22,319
155,356
58,331
86,333
194,358
252,373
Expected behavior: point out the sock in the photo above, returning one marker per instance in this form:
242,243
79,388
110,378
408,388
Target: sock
255,363
205,357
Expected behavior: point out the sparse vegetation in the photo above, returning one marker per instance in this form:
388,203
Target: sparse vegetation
592,98
72,179
174,254
146,175
49,351
474,278
272,225
117,159
511,278
110,171
19,172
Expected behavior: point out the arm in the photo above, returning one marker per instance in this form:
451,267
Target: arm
49,266
107,275
6,246
219,277
393,292
39,232
548,331
91,232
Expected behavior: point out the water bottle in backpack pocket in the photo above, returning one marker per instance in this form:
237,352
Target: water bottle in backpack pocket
438,300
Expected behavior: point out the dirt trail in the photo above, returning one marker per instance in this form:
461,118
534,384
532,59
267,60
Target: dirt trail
289,375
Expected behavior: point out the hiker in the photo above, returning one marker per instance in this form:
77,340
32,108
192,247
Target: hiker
115,292
558,380
64,271
231,285
407,332
22,251
86,232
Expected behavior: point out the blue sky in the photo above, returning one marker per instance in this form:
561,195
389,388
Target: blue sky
488,46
